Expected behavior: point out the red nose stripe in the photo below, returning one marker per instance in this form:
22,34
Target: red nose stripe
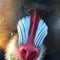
34,20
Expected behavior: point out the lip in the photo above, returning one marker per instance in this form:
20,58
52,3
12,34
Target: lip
28,59
24,59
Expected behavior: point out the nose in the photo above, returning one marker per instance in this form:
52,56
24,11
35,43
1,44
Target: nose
27,52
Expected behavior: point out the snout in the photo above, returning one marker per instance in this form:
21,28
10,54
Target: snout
27,52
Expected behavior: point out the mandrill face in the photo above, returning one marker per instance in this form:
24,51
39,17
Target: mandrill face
32,30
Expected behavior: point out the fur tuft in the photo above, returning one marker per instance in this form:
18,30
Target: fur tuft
10,47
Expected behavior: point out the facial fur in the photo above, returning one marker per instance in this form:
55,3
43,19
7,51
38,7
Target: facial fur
12,46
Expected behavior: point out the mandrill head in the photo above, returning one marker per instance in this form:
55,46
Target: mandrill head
32,31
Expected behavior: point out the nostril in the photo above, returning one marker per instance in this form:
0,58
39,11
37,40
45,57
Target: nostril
24,51
33,55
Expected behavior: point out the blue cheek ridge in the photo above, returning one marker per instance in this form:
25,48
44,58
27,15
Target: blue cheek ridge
23,29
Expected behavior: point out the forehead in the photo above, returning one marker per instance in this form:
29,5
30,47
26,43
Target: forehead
36,6
38,1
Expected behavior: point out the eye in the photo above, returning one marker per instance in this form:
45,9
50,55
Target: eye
29,11
42,13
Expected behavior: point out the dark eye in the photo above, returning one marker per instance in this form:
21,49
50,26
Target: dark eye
29,11
42,13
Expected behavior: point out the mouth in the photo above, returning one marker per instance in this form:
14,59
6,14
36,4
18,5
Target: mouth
30,58
26,59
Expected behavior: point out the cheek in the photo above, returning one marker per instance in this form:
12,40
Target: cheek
41,52
23,28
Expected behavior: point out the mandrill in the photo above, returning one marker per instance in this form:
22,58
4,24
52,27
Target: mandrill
32,30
